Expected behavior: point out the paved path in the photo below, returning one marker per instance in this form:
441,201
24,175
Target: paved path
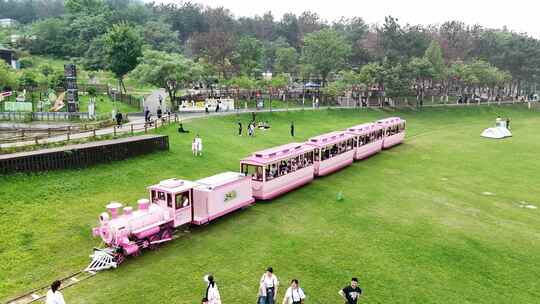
152,101
136,125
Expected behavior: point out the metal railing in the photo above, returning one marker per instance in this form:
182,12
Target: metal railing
56,135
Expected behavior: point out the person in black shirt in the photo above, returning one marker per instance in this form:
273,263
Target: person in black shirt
119,118
239,129
351,293
292,128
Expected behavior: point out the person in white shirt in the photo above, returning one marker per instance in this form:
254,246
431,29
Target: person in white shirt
271,284
294,294
261,297
198,142
54,296
212,292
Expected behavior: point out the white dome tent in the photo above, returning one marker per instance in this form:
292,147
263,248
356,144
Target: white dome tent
499,131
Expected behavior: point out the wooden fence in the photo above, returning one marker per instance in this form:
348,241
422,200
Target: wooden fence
83,131
82,155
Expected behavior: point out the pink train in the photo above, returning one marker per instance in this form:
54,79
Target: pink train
264,175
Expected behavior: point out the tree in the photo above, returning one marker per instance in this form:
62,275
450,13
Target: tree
95,58
216,47
171,71
326,50
397,81
186,19
248,56
286,60
50,37
8,79
123,47
435,57
46,69
159,36
28,80
87,7
421,70
289,28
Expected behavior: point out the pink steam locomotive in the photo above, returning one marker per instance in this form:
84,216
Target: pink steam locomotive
264,175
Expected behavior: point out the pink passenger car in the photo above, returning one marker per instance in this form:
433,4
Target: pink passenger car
394,131
368,139
333,151
278,170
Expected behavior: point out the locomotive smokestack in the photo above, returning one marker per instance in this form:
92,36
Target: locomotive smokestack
127,210
113,208
143,204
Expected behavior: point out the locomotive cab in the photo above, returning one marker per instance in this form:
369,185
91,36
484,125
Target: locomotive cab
176,196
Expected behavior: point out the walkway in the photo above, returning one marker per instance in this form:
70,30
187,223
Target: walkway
137,124
152,101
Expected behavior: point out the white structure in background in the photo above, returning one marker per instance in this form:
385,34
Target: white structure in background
500,130
7,22
225,104
267,75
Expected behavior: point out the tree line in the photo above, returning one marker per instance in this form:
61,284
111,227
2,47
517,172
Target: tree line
211,44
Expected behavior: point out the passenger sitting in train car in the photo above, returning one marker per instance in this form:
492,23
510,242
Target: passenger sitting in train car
294,167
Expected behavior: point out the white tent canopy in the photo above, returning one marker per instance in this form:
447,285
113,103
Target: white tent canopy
500,131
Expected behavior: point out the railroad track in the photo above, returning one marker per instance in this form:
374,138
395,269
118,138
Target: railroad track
39,294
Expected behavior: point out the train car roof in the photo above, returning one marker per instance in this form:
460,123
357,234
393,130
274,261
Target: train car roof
329,138
280,152
390,120
364,128
220,179
173,185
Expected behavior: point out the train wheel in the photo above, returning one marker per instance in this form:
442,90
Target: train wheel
166,233
120,257
151,239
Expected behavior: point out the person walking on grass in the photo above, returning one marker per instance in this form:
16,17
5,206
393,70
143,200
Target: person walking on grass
294,294
261,296
54,296
351,293
292,128
199,146
271,284
194,147
212,292
239,129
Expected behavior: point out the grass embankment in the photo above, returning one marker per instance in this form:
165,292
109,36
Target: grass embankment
416,225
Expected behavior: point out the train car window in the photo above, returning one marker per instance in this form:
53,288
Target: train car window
169,200
161,195
317,155
153,196
350,144
256,172
182,200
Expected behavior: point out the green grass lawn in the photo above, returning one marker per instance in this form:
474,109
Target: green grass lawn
104,104
415,226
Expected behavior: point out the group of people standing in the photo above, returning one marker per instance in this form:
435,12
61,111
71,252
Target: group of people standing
261,126
268,290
